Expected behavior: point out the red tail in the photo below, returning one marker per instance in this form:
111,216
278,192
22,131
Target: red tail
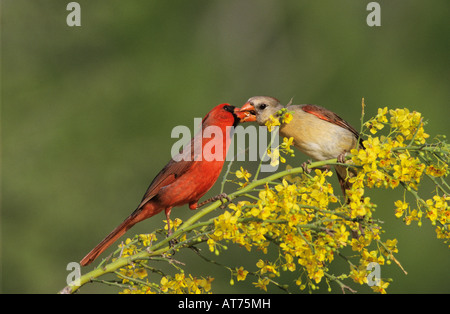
133,219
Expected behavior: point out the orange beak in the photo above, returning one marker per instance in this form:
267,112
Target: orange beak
246,113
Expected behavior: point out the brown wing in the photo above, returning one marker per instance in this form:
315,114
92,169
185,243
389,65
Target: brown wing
166,176
170,172
329,116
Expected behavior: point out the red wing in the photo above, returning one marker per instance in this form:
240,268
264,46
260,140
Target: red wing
166,176
171,172
329,116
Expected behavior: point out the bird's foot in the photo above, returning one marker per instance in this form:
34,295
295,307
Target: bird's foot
172,242
222,197
305,166
341,158
218,197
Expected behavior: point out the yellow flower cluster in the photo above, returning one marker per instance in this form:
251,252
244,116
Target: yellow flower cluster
384,251
386,161
182,284
378,122
437,171
285,117
135,276
408,124
386,164
178,284
438,210
296,216
282,116
293,215
135,272
285,147
130,247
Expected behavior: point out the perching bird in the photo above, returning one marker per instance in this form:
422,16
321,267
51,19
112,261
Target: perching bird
185,179
317,132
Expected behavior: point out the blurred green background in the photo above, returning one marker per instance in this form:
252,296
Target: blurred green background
87,112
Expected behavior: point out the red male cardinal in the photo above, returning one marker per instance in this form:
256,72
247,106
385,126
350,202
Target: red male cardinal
318,132
184,180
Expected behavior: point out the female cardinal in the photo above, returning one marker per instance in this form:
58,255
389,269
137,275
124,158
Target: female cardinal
184,180
317,132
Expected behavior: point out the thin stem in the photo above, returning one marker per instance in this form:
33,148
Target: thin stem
224,180
272,138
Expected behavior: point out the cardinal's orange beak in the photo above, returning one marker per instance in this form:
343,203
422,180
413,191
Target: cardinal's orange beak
246,113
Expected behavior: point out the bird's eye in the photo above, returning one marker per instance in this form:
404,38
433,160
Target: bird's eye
228,108
262,106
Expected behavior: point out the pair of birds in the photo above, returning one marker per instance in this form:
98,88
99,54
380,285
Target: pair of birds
317,132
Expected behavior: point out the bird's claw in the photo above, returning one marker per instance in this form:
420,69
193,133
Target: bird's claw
218,197
341,158
305,166
222,196
173,242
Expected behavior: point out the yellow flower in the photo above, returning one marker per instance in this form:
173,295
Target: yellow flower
262,283
147,239
413,215
442,233
128,249
409,124
241,273
140,273
437,171
275,157
266,267
287,117
438,209
377,123
242,173
179,281
317,275
211,244
372,256
287,143
392,245
206,283
272,123
164,284
341,235
290,265
400,208
359,275
381,287
360,243
173,224
381,115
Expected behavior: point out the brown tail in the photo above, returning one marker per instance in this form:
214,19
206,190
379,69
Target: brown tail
129,222
343,174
